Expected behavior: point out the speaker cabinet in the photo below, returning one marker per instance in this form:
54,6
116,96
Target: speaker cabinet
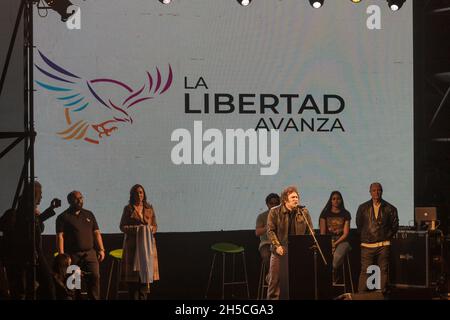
416,259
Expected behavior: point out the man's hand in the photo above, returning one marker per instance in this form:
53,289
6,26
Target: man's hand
56,203
99,244
280,250
101,255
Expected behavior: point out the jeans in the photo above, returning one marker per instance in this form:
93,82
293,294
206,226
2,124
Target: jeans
340,252
278,277
374,256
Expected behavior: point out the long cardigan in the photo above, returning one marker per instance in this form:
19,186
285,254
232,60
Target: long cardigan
128,225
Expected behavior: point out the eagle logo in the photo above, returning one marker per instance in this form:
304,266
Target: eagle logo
95,108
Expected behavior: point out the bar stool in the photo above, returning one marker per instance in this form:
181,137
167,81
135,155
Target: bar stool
225,249
262,284
346,270
116,256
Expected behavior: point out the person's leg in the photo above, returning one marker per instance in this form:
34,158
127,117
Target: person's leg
45,278
92,266
133,290
273,290
137,291
341,251
16,281
383,263
367,255
4,293
143,291
284,277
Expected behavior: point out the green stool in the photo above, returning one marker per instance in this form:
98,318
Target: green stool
116,256
225,249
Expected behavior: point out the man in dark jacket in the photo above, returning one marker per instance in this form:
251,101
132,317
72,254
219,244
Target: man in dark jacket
377,223
289,218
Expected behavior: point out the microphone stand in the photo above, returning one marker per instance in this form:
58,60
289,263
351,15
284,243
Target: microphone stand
315,247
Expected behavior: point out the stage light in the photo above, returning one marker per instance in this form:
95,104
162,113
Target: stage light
395,5
61,7
355,1
244,2
316,3
165,1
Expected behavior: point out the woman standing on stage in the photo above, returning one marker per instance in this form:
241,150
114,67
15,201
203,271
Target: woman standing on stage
140,257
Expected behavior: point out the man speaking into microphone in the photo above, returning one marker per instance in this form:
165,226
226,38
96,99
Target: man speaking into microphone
284,220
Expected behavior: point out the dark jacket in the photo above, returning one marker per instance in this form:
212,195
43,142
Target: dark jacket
381,229
17,233
278,225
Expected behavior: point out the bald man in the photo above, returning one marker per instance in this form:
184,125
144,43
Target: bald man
78,235
377,223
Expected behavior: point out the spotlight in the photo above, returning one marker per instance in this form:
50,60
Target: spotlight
316,3
395,5
61,7
355,1
244,2
165,1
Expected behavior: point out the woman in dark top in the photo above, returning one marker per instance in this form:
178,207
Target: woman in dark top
335,221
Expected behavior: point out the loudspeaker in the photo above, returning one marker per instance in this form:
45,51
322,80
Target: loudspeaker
409,259
416,259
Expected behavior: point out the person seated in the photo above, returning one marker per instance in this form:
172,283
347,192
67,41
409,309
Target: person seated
60,264
335,221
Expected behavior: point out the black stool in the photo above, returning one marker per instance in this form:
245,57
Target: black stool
262,284
346,269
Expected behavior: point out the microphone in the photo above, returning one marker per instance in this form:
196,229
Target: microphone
299,209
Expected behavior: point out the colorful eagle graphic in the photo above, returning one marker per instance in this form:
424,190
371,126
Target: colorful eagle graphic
95,108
